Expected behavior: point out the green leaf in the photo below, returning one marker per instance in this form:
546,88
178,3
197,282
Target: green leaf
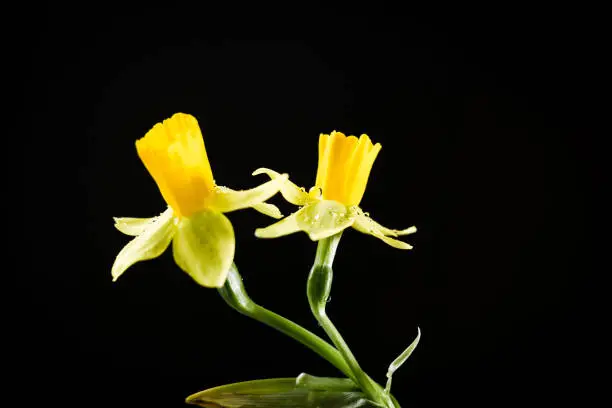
401,359
325,383
277,393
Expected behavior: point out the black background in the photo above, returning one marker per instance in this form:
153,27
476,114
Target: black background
488,121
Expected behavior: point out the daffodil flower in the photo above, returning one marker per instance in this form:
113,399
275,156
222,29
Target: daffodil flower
332,205
202,237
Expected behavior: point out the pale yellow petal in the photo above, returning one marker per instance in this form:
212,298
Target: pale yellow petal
151,243
134,226
265,208
366,225
286,226
395,243
204,246
371,224
405,231
324,218
226,200
292,193
268,209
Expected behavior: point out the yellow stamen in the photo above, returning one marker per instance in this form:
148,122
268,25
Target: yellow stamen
344,166
174,154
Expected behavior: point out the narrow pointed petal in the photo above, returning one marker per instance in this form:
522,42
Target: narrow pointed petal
265,208
204,246
151,243
135,226
286,226
366,225
324,218
226,200
132,226
268,209
406,231
392,232
395,243
292,193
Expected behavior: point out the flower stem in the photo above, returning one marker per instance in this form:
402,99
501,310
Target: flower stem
235,295
318,290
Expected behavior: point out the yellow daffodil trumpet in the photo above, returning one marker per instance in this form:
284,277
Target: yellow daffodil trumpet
332,205
202,237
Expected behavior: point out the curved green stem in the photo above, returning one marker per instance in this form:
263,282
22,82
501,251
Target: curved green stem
306,337
235,295
318,289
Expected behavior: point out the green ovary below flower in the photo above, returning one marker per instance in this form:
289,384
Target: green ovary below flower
332,205
202,237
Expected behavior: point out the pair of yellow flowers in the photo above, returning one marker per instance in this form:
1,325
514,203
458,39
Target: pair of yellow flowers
202,237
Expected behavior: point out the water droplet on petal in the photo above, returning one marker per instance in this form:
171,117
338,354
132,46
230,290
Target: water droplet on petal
315,192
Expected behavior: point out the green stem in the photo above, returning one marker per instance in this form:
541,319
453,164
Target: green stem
318,289
235,295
